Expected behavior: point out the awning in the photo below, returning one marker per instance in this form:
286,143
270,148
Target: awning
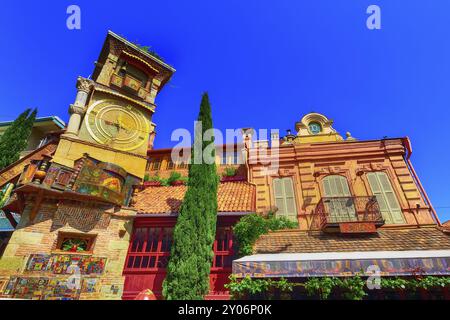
341,264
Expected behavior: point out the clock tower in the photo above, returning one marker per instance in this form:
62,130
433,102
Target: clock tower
111,118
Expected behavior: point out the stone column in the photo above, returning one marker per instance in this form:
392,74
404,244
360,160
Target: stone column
78,109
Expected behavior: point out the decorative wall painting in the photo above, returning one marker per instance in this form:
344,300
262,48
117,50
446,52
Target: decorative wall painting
89,285
38,262
64,264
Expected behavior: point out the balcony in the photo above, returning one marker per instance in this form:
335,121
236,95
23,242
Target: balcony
132,85
348,215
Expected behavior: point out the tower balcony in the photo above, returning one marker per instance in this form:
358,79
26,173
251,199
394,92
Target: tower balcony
348,215
132,85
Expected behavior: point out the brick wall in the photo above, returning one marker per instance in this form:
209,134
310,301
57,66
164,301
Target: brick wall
111,230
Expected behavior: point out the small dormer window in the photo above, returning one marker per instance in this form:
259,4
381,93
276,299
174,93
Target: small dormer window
315,127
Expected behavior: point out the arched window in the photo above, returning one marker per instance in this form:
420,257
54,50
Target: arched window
381,188
283,190
338,199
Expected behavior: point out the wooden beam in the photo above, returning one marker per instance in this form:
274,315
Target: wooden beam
10,218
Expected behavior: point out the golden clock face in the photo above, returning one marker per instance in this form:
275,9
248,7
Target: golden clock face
118,126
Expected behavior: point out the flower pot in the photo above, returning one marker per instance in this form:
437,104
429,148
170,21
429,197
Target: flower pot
152,184
232,178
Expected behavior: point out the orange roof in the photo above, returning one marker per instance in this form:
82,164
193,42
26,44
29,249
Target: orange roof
232,197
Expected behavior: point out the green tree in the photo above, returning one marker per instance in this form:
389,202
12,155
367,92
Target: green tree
15,138
192,254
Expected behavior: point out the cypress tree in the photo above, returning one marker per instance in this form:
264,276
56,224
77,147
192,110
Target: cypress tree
15,138
192,250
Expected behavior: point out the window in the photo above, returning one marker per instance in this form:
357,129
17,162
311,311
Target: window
156,165
230,158
150,248
134,72
224,251
182,165
149,164
170,164
339,201
72,242
381,188
285,198
315,127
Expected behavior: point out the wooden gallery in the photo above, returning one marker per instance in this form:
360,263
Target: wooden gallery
88,217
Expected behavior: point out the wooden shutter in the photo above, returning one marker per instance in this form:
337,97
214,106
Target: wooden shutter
285,198
291,209
382,189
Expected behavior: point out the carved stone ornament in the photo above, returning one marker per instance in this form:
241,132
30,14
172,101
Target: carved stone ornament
286,172
74,109
84,84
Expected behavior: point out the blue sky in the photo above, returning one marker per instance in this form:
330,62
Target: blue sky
264,64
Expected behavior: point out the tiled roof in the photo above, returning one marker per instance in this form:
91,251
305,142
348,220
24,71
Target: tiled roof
295,241
232,197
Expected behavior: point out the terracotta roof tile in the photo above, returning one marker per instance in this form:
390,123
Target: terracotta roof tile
296,241
232,197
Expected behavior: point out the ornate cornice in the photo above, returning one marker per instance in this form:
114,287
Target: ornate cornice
109,91
65,137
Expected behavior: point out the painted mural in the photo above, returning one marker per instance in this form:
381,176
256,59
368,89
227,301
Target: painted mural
342,268
46,288
105,180
64,263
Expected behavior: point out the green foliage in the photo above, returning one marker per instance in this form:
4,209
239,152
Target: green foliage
252,226
413,284
395,283
150,51
15,138
192,254
174,176
353,287
229,172
74,245
240,288
321,286
350,288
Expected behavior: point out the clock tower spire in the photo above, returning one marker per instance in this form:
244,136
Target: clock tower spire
111,118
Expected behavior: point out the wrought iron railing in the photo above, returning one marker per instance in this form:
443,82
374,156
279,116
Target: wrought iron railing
335,210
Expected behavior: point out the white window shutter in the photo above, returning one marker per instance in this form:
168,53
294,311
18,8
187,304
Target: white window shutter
285,198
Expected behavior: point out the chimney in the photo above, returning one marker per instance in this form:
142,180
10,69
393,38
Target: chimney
274,138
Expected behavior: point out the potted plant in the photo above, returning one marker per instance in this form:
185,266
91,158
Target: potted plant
230,174
152,181
175,179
